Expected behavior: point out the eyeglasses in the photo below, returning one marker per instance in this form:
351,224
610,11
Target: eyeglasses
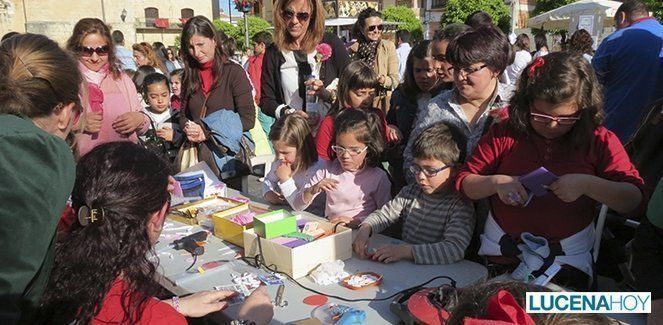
543,118
88,51
466,71
352,151
428,172
301,16
374,27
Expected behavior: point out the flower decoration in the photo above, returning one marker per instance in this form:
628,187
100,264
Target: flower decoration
534,66
324,52
243,5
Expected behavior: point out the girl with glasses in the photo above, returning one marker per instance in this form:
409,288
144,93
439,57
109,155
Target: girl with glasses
354,184
112,109
377,53
554,122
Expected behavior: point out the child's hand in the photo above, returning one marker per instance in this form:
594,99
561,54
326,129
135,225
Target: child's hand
348,221
93,122
202,303
570,187
393,253
284,171
166,133
326,185
257,307
275,198
510,190
128,122
394,134
360,244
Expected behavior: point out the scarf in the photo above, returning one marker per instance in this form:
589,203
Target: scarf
93,81
207,76
368,52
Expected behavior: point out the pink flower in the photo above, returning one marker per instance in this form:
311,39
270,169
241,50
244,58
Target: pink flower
324,52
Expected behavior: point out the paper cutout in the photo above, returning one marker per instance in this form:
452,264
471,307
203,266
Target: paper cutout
538,181
315,300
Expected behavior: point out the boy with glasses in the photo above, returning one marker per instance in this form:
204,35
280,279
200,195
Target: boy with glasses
438,223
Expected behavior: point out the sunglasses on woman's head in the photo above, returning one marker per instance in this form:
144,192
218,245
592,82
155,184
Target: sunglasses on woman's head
88,51
301,16
378,27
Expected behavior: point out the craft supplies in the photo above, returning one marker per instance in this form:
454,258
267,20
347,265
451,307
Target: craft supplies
361,280
237,298
329,273
274,224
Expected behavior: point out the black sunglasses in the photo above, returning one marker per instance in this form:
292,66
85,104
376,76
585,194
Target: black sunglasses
88,51
372,28
301,16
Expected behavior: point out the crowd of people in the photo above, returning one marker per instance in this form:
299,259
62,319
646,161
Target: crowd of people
426,141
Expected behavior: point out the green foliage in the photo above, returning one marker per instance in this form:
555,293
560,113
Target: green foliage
405,15
458,10
655,6
547,5
256,24
178,41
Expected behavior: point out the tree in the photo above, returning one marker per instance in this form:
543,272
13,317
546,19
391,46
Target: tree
458,10
256,25
403,14
547,5
655,6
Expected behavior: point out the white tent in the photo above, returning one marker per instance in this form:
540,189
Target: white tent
560,18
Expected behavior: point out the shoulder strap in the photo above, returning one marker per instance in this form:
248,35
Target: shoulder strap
203,111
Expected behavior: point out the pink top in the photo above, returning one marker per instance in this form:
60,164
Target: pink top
357,194
119,98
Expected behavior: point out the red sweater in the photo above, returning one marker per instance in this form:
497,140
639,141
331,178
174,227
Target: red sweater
503,151
324,139
255,72
155,312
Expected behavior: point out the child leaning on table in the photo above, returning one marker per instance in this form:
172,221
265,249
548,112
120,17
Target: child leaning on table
438,222
296,162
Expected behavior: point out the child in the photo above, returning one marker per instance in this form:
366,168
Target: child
139,78
176,88
356,89
438,222
354,185
296,162
103,273
554,122
156,91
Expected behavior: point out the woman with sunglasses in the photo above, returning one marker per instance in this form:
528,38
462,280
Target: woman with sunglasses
554,122
112,109
299,27
378,53
145,54
39,86
478,58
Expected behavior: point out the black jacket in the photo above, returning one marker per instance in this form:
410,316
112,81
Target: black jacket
271,94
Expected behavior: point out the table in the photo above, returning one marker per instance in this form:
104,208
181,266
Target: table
397,276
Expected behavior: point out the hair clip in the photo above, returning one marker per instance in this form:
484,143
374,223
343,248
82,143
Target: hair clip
534,66
87,216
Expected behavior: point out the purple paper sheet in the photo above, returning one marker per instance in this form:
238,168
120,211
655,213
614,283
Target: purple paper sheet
295,243
538,180
301,223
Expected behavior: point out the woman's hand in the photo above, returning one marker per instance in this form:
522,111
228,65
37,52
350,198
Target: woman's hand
360,244
570,187
510,190
284,171
393,253
318,89
202,303
166,133
128,122
382,79
194,132
257,307
92,122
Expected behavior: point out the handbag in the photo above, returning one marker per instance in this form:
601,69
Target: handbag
187,156
152,142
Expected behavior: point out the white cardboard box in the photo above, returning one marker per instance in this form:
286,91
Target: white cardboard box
299,261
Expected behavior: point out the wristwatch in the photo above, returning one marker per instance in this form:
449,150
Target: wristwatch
242,322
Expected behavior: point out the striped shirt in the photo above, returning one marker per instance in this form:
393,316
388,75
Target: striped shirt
439,226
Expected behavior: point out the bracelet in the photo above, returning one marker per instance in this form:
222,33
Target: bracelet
176,303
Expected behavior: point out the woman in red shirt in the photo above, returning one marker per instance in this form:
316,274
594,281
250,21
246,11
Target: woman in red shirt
555,122
103,272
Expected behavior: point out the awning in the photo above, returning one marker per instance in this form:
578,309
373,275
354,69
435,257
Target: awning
559,18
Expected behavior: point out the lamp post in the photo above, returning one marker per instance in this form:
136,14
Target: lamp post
245,6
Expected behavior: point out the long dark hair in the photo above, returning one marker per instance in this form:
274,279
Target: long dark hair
129,184
556,78
357,75
360,24
367,129
409,87
203,27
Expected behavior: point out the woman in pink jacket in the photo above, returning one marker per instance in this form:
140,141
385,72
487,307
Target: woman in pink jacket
112,109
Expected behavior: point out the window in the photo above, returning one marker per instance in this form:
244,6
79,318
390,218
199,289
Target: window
151,14
437,4
187,13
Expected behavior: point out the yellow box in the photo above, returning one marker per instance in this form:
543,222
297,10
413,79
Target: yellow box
230,231
299,261
187,213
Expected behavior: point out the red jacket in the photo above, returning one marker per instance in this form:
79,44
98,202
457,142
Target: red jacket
255,72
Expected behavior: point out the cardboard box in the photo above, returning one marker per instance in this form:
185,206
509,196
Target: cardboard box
299,261
274,224
187,213
230,231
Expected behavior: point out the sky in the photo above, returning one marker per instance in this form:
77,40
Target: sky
223,4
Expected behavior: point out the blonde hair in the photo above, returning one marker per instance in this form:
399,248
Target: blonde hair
151,56
294,131
314,33
36,76
88,26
